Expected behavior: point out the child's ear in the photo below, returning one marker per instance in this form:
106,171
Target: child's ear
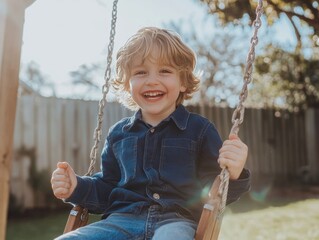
182,89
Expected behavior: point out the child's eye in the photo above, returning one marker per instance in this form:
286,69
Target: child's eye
141,72
166,70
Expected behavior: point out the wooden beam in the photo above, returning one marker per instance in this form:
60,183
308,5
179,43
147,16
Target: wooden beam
11,29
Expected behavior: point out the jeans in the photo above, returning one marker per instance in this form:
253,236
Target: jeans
151,224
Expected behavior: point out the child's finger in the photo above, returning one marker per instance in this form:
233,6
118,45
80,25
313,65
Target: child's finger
233,136
229,162
233,156
223,162
235,144
63,165
61,193
60,178
61,184
233,152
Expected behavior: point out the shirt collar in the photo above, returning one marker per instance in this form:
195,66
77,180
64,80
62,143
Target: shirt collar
133,120
180,117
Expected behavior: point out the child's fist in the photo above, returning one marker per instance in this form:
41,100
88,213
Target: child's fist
63,180
233,155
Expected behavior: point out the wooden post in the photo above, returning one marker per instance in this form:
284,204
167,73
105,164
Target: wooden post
312,138
11,30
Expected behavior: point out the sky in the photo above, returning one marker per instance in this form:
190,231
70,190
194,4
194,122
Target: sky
61,35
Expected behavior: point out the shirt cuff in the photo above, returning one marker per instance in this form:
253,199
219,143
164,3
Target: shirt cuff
79,194
239,186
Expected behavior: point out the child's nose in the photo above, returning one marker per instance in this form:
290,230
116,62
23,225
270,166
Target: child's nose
152,79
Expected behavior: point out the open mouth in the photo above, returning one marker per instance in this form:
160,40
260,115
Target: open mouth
153,94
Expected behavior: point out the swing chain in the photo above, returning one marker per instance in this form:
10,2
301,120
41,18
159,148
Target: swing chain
223,190
105,89
238,115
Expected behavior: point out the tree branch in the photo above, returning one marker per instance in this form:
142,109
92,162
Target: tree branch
297,33
311,22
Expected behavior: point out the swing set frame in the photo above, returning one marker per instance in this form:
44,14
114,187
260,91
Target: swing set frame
12,15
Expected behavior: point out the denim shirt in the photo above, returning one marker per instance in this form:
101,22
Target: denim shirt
172,164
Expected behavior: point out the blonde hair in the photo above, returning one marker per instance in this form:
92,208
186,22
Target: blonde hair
172,51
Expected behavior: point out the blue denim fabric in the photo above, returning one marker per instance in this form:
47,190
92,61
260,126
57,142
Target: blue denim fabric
152,223
172,165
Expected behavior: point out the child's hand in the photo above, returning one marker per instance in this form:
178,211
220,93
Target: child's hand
233,155
63,180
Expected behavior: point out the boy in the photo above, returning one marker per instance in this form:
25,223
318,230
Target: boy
156,163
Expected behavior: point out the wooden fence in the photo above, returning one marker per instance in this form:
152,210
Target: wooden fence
49,129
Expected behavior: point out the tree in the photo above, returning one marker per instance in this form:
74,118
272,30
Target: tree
85,78
285,79
32,75
299,12
85,75
282,78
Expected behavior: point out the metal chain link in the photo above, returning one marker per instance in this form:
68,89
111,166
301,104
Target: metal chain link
105,89
238,115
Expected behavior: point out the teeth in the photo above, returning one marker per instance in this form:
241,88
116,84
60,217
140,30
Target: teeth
153,94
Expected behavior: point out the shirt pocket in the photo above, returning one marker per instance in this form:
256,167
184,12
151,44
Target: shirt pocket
177,161
125,152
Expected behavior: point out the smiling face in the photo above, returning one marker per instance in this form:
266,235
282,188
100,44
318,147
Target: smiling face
166,61
155,87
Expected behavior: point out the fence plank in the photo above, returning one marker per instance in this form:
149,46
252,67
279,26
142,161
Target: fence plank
254,159
269,140
25,136
55,132
82,136
42,122
69,138
29,143
28,118
312,133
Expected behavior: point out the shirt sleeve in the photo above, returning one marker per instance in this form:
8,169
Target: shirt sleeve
237,187
209,167
93,192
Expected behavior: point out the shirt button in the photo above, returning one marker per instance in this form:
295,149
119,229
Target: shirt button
156,196
152,130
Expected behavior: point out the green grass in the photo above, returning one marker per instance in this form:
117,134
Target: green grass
295,221
46,227
39,227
